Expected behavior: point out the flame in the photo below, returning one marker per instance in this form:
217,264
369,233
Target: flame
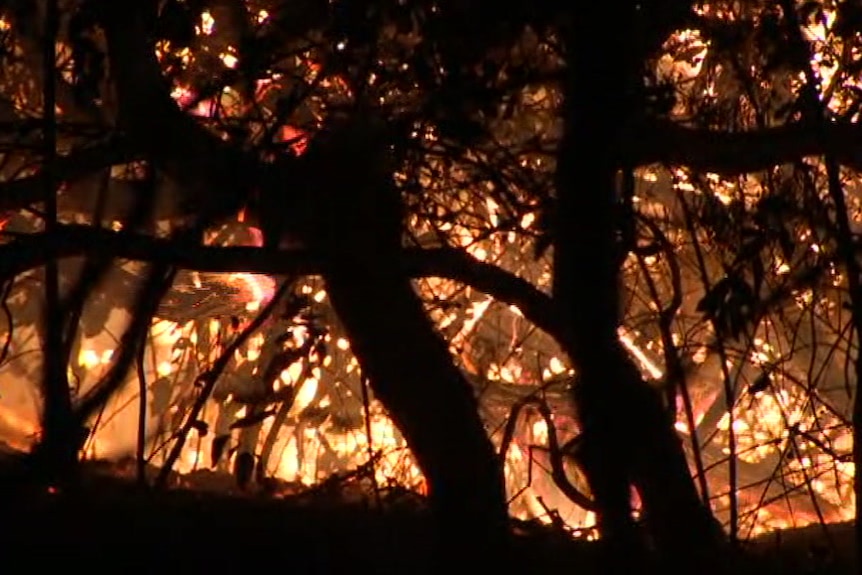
769,424
256,289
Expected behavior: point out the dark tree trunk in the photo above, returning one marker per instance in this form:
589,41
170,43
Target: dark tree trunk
629,440
59,454
355,220
433,405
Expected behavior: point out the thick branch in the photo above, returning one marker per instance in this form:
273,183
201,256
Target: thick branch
22,192
741,152
34,250
490,279
216,174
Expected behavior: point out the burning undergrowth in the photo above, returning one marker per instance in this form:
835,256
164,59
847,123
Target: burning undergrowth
290,415
734,309
747,349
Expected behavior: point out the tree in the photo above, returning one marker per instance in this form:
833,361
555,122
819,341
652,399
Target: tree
375,142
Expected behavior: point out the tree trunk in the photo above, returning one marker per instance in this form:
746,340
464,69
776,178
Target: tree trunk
433,405
628,438
355,221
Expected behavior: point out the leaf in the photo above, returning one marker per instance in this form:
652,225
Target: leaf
252,419
758,274
760,384
708,305
730,304
219,443
204,379
181,344
345,422
280,362
295,305
785,240
245,371
321,349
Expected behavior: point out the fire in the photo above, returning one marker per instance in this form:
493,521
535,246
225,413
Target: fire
770,424
256,289
784,433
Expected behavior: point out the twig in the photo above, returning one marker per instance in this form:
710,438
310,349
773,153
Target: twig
4,303
210,378
160,279
729,394
817,112
675,372
366,407
555,454
278,423
142,416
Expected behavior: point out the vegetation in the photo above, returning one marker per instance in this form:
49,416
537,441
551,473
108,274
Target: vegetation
305,218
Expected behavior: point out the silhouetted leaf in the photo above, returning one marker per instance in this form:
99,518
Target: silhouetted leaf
760,384
758,273
345,422
786,242
162,390
730,305
649,250
181,344
202,427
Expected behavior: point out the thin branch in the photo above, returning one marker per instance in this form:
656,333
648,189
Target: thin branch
10,324
160,279
555,452
209,380
22,192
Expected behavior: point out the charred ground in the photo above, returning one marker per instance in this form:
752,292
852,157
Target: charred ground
108,523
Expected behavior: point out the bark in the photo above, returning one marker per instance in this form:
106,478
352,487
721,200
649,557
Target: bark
412,373
355,219
628,438
58,441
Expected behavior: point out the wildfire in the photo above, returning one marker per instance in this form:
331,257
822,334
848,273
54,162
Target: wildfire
792,447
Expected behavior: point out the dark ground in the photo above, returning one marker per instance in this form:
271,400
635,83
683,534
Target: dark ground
108,525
